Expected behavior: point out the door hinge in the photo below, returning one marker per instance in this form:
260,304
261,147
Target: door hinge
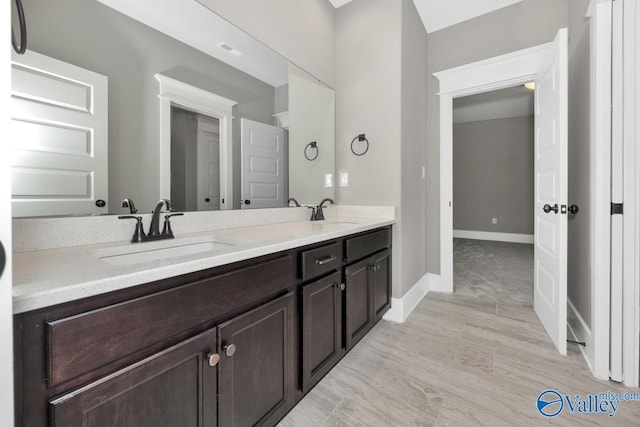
616,209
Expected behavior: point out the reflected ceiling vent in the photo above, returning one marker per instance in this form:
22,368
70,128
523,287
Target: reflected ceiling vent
232,50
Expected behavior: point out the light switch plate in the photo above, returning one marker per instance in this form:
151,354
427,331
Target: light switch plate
328,180
344,179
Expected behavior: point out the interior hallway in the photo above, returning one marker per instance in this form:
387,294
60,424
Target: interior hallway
476,357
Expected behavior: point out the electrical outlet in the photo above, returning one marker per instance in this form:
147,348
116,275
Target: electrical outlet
494,221
328,180
344,179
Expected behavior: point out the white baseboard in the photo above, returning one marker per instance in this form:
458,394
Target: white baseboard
437,283
580,332
401,308
494,237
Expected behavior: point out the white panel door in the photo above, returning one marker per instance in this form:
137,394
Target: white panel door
263,165
209,170
551,192
59,118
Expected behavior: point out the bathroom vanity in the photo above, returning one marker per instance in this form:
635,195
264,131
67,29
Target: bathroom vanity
234,344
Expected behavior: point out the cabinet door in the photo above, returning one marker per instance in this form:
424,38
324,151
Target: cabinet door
359,299
381,278
321,328
175,387
257,365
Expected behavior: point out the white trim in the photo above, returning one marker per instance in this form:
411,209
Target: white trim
401,308
6,299
494,237
600,148
437,283
175,92
491,74
580,332
631,197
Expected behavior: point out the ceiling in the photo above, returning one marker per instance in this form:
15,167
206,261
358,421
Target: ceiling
205,32
499,104
439,14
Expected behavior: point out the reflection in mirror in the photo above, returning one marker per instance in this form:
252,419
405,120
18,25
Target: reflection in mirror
130,43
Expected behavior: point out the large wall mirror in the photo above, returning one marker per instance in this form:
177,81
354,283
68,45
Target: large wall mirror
198,112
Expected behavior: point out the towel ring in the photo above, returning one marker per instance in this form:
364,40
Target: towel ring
360,138
312,144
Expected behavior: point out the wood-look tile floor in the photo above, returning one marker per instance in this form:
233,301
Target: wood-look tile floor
477,357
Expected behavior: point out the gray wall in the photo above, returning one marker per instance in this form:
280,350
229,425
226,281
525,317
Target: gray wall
579,244
368,100
414,134
93,36
301,31
493,175
525,24
380,90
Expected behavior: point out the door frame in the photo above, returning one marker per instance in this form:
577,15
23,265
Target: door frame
500,72
6,297
631,183
200,101
510,70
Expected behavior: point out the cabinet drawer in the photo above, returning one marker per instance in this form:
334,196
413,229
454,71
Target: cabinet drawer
318,261
361,246
91,340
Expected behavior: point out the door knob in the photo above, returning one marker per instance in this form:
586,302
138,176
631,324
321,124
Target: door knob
213,359
342,286
229,350
547,208
574,209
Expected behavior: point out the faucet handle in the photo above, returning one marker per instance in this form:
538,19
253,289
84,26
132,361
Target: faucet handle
313,212
138,234
166,228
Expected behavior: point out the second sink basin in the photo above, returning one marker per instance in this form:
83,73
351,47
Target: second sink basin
137,253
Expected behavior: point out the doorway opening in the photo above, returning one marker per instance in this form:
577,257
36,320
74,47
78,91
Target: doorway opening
197,182
493,199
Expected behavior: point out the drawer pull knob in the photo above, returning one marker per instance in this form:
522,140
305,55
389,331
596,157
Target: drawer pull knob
213,359
229,350
326,260
343,286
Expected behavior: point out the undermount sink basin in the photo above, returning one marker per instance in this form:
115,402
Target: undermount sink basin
136,253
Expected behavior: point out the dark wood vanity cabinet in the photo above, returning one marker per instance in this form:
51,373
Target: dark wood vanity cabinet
321,328
174,387
236,345
257,365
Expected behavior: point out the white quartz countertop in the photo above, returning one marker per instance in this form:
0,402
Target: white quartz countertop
49,277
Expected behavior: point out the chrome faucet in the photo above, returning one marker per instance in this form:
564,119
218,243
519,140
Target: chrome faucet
317,214
154,228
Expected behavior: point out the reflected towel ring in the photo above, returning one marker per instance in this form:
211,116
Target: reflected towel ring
360,138
312,145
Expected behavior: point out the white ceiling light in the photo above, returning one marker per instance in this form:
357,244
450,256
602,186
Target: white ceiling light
530,85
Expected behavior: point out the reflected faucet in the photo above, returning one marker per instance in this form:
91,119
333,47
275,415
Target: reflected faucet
319,214
294,201
128,203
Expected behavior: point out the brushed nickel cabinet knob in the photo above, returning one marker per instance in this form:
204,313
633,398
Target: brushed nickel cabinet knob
213,359
229,350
